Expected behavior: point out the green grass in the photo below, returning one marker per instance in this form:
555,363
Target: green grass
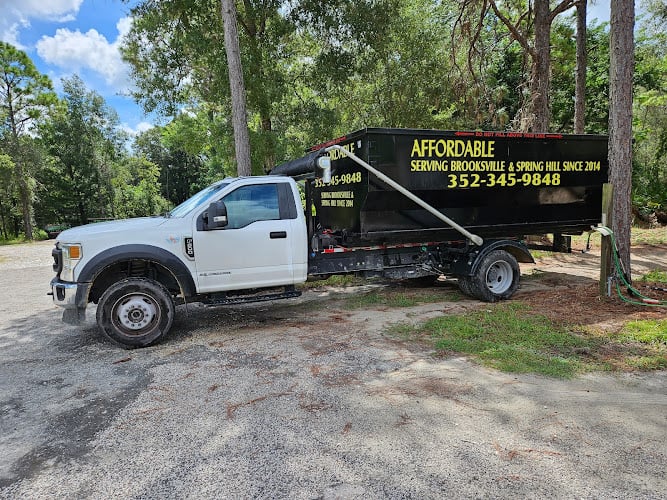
510,337
655,236
336,280
655,276
638,236
646,331
392,298
39,236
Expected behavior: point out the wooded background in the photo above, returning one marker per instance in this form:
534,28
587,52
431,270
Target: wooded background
312,71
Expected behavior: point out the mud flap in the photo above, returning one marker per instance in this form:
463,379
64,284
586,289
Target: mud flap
74,316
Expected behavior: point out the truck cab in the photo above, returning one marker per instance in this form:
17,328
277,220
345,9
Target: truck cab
238,235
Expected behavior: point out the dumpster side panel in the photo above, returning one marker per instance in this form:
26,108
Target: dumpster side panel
493,183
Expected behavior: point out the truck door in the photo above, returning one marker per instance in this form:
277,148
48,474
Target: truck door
254,249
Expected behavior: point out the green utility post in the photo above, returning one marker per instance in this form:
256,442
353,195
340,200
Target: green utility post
606,260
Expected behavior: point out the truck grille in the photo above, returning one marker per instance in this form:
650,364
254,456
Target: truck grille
57,255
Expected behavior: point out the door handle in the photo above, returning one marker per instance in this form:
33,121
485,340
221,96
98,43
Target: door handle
277,234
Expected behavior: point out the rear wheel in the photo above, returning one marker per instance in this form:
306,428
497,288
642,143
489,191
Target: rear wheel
135,312
465,285
496,278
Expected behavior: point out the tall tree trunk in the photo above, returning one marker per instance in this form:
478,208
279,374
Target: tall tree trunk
237,87
25,195
536,114
621,68
22,180
270,155
580,71
539,115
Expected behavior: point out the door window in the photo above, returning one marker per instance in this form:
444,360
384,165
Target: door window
249,204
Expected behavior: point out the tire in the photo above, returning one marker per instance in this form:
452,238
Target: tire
135,312
465,285
496,278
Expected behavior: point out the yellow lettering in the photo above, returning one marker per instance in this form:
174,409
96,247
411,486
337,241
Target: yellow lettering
416,149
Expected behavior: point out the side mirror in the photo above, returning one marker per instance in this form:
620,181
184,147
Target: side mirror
216,217
324,168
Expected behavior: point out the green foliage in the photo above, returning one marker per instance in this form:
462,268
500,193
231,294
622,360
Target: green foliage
396,298
182,174
136,189
645,331
8,195
25,96
650,122
313,71
83,142
656,275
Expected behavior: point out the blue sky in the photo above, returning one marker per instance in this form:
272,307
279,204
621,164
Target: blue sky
64,37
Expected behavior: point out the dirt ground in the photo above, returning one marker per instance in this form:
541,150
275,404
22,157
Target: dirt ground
310,399
567,286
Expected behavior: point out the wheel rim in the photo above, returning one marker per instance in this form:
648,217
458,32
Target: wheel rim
136,313
499,277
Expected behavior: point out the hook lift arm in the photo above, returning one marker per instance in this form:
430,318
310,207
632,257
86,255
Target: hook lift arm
472,237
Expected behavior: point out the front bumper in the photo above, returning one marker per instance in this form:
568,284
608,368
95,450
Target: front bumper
69,295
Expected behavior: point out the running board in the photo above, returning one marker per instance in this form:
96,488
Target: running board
230,298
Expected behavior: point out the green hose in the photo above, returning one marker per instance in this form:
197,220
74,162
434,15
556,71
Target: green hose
646,301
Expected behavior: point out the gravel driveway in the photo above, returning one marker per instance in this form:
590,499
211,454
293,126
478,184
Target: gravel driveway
300,399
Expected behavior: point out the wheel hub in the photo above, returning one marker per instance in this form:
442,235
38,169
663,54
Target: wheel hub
499,277
136,312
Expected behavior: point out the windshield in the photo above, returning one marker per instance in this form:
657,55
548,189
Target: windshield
203,196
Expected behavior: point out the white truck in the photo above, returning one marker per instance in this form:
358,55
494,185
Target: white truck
251,239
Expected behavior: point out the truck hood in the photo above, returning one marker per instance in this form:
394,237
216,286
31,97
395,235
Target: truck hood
106,229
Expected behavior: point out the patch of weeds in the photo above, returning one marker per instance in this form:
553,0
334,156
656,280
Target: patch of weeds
654,236
365,300
511,337
647,331
336,280
541,254
395,299
647,363
403,331
655,276
534,273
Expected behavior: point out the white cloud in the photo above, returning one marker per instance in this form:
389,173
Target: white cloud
76,51
138,129
16,14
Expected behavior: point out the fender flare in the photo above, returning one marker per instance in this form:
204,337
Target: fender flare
469,266
149,253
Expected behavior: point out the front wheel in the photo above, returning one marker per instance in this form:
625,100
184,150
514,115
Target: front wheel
496,278
135,312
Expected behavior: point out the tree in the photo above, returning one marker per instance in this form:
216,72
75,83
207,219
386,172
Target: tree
580,71
175,48
6,192
84,141
238,93
621,69
531,28
136,188
181,149
649,175
25,94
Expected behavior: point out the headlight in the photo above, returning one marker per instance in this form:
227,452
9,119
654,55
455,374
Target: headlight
72,254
